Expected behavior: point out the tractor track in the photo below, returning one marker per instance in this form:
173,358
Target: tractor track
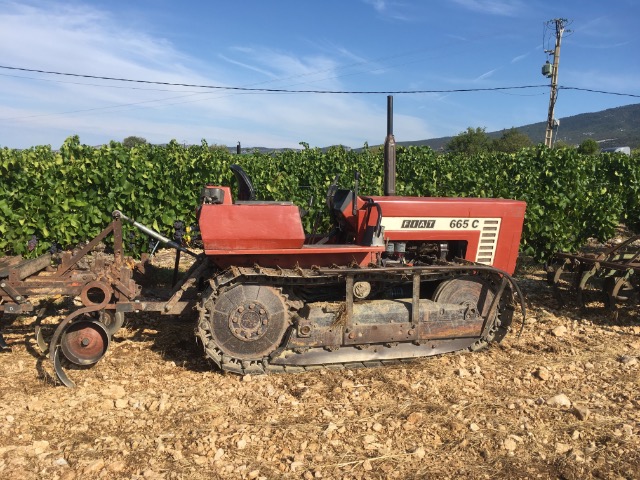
282,282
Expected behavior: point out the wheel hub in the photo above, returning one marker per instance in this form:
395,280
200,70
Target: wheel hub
249,322
84,342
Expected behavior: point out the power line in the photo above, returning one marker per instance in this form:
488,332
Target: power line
271,90
284,90
101,85
253,90
599,91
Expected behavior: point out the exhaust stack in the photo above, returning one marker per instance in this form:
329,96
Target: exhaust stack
389,153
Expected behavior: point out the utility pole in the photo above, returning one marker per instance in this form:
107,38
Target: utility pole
551,70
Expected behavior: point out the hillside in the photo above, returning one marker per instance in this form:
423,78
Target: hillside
614,127
610,128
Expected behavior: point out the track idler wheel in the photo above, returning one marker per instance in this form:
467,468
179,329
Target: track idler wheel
467,289
478,294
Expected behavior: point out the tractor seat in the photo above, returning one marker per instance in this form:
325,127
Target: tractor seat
246,192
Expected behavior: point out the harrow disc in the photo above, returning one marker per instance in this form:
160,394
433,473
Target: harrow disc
84,342
79,340
591,292
111,320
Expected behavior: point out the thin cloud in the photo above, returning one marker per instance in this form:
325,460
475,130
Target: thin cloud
603,46
457,37
378,5
519,57
247,66
389,9
485,75
601,80
508,8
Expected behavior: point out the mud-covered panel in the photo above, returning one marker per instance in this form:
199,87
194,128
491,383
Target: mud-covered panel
380,333
451,321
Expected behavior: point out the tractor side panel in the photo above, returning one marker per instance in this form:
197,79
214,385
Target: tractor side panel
251,227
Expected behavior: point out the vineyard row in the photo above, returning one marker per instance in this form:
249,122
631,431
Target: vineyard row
67,196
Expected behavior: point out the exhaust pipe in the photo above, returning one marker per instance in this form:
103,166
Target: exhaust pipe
389,153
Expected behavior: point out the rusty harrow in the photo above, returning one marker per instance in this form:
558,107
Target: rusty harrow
106,288
605,279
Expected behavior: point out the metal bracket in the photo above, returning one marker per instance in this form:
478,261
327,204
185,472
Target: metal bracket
12,292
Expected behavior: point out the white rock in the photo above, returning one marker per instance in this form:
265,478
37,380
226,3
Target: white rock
560,331
581,412
510,444
543,374
219,454
420,452
114,392
628,360
560,400
40,446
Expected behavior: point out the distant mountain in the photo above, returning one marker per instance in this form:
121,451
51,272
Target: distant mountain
614,127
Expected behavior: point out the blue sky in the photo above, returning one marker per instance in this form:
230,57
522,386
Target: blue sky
349,45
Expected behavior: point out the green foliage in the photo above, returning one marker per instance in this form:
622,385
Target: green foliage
470,142
68,196
588,147
560,144
133,141
511,141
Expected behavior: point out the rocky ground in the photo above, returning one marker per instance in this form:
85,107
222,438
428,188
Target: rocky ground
560,401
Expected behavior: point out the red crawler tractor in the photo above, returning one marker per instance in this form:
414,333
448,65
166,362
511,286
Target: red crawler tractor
396,278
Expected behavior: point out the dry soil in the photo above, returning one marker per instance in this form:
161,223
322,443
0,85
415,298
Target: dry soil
560,401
